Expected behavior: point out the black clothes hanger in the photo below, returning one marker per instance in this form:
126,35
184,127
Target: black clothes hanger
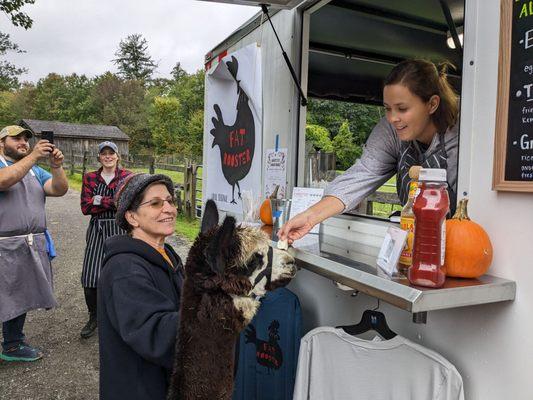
371,320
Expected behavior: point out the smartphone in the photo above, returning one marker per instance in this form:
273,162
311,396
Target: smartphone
48,135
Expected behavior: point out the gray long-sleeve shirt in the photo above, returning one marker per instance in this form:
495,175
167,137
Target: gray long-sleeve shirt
379,162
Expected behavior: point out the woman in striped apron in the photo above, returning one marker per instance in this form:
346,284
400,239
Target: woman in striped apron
420,128
97,200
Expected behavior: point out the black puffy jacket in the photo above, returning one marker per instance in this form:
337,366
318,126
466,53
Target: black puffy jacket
138,310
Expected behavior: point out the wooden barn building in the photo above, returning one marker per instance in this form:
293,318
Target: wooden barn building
77,138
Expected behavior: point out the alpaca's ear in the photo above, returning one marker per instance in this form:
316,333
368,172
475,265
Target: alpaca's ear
219,250
210,217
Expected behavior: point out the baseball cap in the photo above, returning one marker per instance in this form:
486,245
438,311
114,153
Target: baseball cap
109,144
14,130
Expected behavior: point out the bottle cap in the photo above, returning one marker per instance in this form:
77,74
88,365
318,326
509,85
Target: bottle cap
432,174
414,171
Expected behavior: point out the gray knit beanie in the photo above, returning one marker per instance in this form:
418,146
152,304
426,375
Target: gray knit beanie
131,188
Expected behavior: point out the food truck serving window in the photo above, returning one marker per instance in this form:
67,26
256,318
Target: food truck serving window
350,46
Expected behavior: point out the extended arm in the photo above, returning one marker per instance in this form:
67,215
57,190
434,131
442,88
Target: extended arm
14,173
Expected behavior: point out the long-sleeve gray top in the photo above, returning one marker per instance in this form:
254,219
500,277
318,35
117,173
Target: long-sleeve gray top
379,162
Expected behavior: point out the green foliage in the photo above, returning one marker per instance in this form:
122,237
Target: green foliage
8,115
319,137
120,102
9,73
166,124
62,98
177,72
195,132
331,114
12,9
187,228
345,148
133,60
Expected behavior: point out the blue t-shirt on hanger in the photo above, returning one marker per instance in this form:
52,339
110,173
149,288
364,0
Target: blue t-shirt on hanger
268,349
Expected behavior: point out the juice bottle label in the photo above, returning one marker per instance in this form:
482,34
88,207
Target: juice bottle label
407,224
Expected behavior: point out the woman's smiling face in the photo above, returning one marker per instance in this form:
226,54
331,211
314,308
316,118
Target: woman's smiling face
409,114
108,158
156,216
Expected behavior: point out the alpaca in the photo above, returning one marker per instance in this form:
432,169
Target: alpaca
227,269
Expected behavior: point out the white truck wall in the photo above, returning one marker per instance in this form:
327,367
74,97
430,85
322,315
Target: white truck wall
280,101
491,345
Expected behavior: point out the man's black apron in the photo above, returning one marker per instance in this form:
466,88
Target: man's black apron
25,270
412,155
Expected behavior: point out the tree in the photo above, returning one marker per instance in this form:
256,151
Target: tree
195,131
119,102
63,98
346,151
166,126
177,72
331,114
133,60
12,9
318,136
9,73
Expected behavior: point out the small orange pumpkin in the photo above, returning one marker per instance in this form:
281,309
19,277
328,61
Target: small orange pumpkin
468,247
265,211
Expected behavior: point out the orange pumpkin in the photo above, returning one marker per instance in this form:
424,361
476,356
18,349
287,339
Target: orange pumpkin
265,211
468,247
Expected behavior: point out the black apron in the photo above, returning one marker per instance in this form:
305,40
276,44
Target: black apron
412,155
101,227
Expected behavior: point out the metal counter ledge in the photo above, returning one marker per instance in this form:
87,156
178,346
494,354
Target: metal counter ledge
354,265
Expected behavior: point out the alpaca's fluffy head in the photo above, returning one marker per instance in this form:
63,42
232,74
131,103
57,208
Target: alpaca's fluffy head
241,258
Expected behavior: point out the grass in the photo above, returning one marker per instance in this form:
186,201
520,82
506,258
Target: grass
187,228
75,181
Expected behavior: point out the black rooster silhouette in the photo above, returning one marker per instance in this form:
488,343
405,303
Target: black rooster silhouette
268,354
236,142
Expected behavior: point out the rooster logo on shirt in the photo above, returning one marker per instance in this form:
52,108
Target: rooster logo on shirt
267,352
236,142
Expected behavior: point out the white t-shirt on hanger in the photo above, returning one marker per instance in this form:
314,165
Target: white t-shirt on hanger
334,365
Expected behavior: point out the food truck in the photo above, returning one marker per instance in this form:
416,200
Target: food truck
342,50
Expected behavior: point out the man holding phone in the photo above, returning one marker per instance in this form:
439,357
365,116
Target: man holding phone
25,268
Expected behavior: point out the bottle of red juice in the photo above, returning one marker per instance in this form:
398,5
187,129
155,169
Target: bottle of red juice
430,209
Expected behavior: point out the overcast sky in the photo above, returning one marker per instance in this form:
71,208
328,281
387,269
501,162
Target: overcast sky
81,36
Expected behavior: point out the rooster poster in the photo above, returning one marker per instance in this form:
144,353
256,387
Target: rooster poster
233,128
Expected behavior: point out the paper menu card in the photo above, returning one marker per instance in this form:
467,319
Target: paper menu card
275,172
303,198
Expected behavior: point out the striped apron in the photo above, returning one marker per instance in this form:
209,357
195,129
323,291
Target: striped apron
25,269
412,155
101,227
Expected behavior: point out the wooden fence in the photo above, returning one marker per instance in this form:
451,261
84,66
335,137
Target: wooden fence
188,193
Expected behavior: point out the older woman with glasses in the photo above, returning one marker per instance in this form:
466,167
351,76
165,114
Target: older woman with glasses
139,293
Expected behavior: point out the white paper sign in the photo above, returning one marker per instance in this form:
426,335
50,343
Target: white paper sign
233,128
390,251
276,172
302,199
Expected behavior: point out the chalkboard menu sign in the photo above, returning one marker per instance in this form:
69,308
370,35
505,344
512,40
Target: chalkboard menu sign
513,157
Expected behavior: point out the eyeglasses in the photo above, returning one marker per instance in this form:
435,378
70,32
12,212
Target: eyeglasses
157,203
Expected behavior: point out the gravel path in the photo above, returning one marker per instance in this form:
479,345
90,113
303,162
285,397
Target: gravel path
69,369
